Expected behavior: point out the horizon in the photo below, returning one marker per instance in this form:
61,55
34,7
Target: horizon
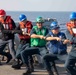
37,11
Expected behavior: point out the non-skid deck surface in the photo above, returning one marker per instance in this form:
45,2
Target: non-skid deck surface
7,70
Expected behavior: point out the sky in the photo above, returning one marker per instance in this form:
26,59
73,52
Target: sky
38,5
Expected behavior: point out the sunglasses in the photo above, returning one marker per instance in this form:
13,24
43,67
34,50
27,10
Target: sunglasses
73,20
40,22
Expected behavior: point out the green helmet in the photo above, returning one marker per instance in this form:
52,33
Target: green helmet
39,19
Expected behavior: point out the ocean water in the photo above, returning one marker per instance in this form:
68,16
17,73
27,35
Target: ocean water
62,17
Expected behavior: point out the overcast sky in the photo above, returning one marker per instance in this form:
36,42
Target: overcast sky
38,5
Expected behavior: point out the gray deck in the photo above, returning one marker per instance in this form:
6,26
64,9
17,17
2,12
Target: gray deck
7,70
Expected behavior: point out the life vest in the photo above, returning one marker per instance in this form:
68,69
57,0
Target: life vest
69,27
28,26
37,41
57,47
7,23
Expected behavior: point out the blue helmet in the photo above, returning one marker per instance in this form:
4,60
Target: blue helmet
54,25
73,16
22,17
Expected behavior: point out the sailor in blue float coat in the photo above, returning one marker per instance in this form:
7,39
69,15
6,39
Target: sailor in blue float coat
57,46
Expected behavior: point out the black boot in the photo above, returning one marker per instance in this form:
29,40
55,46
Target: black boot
55,69
0,63
31,67
9,57
17,64
28,72
50,72
31,64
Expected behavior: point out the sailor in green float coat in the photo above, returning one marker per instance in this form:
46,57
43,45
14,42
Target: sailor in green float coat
38,43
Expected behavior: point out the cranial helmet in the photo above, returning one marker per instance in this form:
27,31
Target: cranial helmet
73,16
39,19
22,17
2,12
54,25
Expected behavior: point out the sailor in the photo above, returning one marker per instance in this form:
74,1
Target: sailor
57,47
6,25
24,28
71,35
38,43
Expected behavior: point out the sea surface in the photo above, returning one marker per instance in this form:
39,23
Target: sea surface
62,17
